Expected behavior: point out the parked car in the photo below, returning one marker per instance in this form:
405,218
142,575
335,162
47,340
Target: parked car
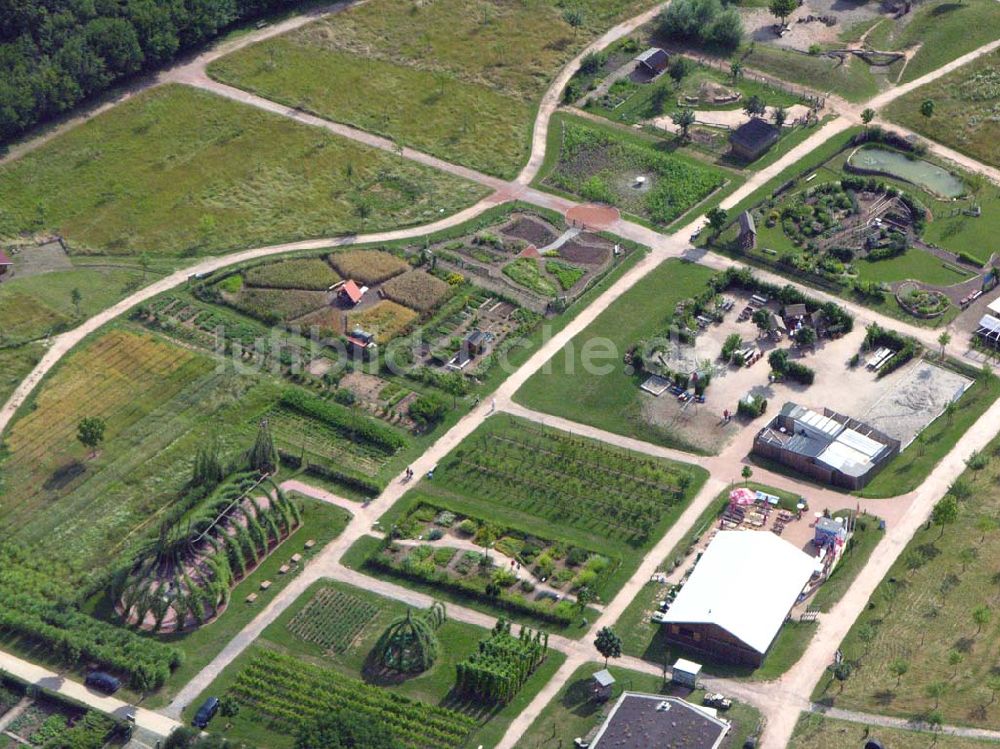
716,700
206,712
102,682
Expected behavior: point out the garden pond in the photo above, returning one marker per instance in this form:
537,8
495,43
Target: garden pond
895,164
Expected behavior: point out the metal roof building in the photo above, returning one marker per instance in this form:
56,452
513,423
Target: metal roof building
739,595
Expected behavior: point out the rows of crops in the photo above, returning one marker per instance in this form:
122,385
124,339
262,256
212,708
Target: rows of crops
285,692
120,377
332,620
298,434
304,273
569,480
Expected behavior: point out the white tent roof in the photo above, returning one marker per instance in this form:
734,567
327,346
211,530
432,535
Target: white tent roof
989,322
746,583
994,306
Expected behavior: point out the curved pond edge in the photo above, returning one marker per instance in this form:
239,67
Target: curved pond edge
855,169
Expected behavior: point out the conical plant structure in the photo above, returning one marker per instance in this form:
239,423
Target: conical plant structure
409,644
263,457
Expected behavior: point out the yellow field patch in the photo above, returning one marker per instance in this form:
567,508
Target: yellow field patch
385,320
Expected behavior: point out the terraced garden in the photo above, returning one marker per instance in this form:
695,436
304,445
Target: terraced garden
210,175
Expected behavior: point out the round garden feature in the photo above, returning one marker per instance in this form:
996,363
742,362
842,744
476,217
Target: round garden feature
921,302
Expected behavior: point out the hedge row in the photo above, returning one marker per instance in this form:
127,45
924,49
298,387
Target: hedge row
78,638
343,420
504,601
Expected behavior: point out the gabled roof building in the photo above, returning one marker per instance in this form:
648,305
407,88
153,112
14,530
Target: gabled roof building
740,593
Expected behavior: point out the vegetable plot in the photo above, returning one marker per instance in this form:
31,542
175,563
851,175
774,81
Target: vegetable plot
332,620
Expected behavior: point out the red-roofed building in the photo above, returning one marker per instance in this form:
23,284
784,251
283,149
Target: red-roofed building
351,293
5,263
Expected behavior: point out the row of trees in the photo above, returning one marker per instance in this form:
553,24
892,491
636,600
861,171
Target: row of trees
56,53
501,666
703,22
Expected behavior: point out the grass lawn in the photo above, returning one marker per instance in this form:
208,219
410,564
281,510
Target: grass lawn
492,476
943,29
603,394
177,171
814,731
915,264
36,306
573,713
921,616
15,363
457,640
852,80
599,163
460,79
909,469
964,108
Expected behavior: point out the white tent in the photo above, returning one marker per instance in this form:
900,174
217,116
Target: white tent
745,583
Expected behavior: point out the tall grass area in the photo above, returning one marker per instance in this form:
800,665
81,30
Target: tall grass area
815,731
964,109
607,396
852,80
943,29
922,615
460,79
177,171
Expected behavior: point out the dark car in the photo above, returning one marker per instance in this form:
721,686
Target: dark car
102,682
206,712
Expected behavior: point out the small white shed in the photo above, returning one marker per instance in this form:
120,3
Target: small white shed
686,672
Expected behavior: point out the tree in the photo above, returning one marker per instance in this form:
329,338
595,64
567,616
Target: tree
263,457
780,115
144,264
76,297
944,339
981,616
945,512
842,672
584,597
346,730
782,9
935,690
684,119
726,31
867,115
746,473
736,70
899,667
755,106
993,684
608,644
90,432
985,525
762,319
927,108
805,336
679,69
717,218
955,659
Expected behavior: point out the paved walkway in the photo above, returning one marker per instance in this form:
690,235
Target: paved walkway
46,679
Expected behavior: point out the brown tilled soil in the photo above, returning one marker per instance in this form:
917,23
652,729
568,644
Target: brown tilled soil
586,254
531,230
